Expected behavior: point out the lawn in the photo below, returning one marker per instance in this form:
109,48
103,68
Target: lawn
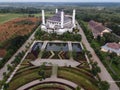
9,16
83,80
5,17
26,76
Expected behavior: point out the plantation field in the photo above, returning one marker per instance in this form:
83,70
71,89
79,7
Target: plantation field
19,26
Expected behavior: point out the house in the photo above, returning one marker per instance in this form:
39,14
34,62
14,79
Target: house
111,47
98,29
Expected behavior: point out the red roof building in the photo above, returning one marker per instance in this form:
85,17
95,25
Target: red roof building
111,47
98,29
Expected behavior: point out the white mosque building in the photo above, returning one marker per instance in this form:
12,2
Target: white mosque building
59,23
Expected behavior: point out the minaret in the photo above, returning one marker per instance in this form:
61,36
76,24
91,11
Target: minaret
73,18
56,11
62,19
43,17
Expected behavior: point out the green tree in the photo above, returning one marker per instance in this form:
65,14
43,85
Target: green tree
78,88
9,67
104,85
95,68
41,71
6,86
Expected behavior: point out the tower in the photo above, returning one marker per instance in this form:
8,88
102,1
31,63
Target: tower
62,19
73,18
56,10
43,17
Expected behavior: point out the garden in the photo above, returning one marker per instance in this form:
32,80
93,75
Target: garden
56,51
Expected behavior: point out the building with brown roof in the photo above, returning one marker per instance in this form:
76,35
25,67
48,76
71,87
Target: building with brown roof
111,47
98,29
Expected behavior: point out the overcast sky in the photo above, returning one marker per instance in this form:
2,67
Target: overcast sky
59,0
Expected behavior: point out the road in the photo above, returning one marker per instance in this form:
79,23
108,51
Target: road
23,48
104,75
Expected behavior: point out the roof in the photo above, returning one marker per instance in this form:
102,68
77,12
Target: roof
97,28
113,45
93,23
57,17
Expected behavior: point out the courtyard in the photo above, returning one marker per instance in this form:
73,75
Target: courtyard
62,53
53,64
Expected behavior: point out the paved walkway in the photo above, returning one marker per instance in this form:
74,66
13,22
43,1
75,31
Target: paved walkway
44,45
104,75
51,62
70,45
48,80
54,71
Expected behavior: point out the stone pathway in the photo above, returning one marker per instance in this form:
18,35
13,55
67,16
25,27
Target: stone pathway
44,45
54,71
62,62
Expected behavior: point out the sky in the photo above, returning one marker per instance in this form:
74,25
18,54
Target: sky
59,0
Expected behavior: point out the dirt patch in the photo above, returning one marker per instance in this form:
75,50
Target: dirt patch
19,26
2,52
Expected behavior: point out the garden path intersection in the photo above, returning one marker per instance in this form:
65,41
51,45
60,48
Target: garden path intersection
50,62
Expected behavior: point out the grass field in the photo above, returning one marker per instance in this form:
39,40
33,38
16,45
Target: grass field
6,17
26,76
9,16
80,78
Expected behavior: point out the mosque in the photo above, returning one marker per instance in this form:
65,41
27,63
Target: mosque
59,23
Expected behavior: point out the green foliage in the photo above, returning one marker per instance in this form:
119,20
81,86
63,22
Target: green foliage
105,15
14,45
16,42
6,86
41,71
25,76
104,85
109,37
41,35
78,77
8,16
9,67
95,68
115,27
88,33
78,88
